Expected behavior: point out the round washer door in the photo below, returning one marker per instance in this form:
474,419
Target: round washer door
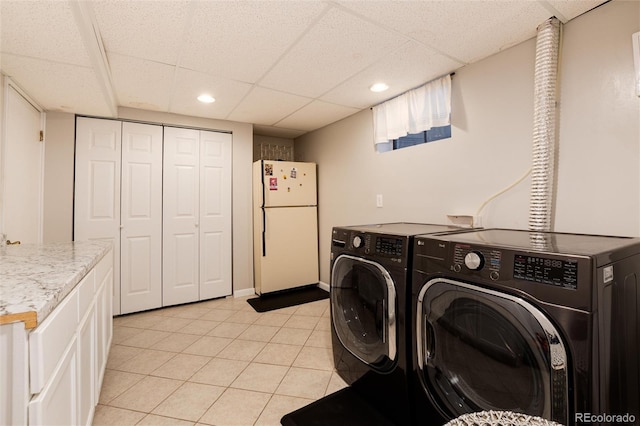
481,350
363,300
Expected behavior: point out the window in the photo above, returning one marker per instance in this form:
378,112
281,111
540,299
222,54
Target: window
417,116
433,134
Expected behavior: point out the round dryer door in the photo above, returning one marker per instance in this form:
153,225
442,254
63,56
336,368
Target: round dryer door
363,301
481,350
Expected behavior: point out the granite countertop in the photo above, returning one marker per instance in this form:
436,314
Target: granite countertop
35,278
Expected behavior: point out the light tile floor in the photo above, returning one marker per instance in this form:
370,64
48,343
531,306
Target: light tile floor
217,362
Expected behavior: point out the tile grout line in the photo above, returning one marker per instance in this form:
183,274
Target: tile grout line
318,328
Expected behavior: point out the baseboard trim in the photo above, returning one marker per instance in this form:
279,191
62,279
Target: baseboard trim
323,286
244,292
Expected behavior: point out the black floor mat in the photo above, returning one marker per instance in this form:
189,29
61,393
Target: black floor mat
342,408
284,299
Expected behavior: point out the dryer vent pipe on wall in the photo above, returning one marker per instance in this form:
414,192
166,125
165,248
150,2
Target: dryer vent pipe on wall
544,126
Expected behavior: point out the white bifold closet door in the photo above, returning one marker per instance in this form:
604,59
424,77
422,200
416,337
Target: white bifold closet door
196,215
118,197
97,188
141,218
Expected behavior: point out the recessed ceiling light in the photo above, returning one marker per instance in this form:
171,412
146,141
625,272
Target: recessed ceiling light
378,87
206,99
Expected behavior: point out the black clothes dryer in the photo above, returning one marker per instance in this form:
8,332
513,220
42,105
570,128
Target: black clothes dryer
370,292
545,324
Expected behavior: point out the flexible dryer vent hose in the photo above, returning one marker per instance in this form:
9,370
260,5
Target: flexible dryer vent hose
544,126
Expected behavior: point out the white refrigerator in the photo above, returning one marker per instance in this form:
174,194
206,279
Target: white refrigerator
285,225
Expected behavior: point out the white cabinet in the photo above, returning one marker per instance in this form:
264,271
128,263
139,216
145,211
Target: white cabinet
118,197
14,374
104,317
87,367
50,340
196,215
168,218
57,404
68,353
51,375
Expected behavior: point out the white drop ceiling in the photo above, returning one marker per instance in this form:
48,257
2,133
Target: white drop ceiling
288,67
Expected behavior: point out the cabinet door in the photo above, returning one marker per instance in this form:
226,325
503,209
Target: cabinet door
14,374
104,320
141,218
180,216
86,338
49,341
57,403
215,215
97,187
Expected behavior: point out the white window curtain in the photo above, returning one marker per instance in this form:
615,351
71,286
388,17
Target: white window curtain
414,111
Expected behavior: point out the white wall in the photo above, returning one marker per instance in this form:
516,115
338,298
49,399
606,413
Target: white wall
59,178
492,119
2,130
599,170
58,181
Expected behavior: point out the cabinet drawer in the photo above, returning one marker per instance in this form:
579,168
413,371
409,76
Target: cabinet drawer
49,340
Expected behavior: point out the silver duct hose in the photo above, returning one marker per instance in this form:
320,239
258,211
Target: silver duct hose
544,127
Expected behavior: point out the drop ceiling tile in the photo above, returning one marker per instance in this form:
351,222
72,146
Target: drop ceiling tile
266,106
41,29
465,30
56,86
293,50
190,84
151,30
140,83
572,9
336,48
315,115
242,40
407,68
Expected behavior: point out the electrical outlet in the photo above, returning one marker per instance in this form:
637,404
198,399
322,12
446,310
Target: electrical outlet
379,200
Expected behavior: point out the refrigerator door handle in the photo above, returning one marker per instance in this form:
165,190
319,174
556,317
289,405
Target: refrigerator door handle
264,232
264,213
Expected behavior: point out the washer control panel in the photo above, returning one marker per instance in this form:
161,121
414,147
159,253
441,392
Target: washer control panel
495,265
486,261
546,270
389,246
382,246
